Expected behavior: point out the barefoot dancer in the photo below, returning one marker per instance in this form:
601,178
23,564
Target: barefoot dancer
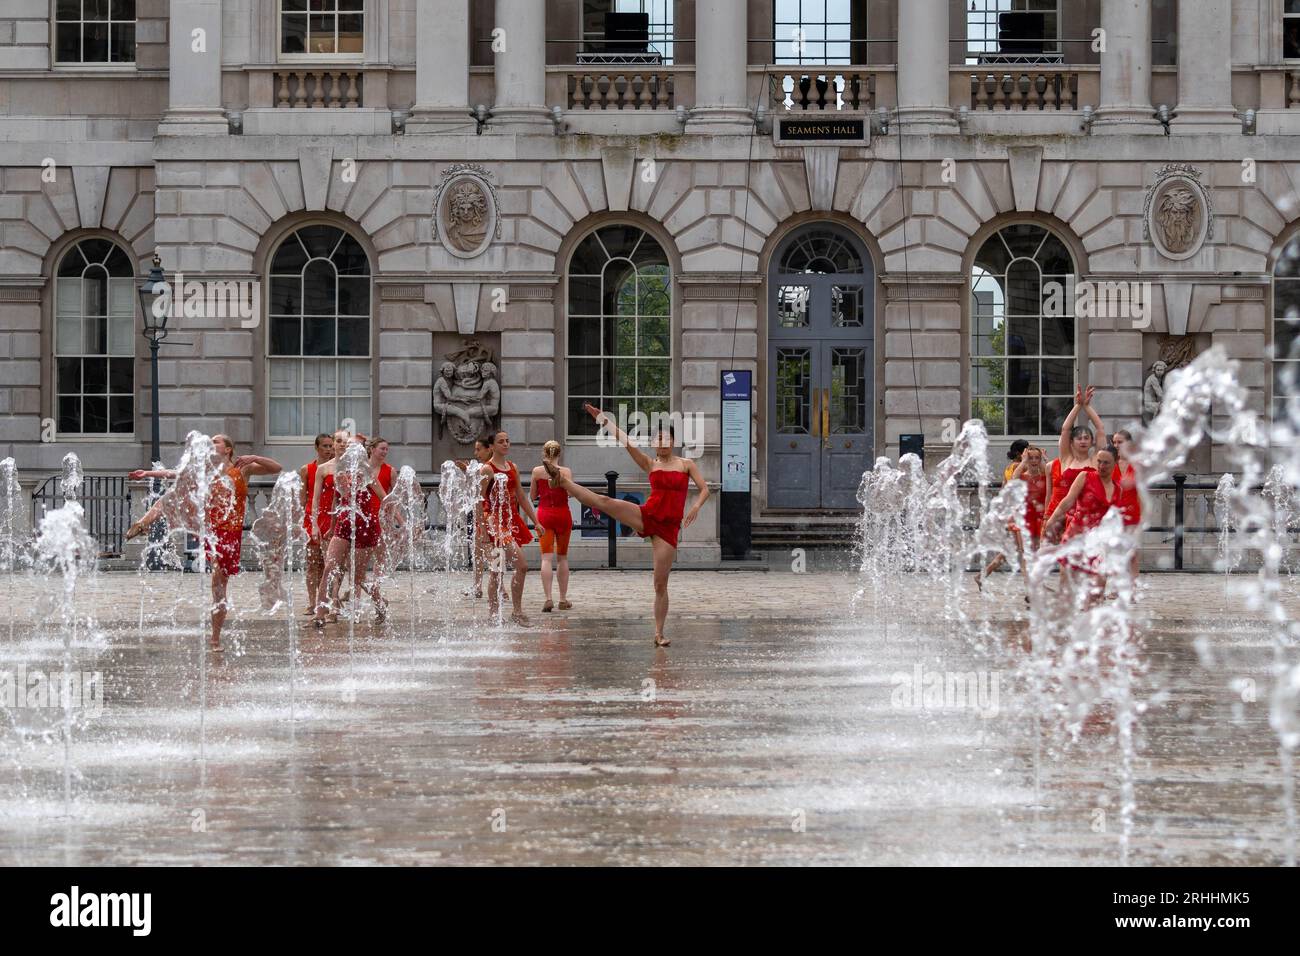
482,452
1094,492
359,531
1077,453
1029,470
553,510
660,519
315,556
224,518
322,496
506,529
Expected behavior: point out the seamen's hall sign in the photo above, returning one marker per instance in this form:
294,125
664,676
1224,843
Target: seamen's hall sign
841,130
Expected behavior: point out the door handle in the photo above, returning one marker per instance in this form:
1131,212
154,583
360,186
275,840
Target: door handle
816,419
826,417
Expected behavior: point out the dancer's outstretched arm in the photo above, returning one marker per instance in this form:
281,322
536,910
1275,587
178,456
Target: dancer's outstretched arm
693,470
526,504
259,465
641,458
1103,438
140,473
1068,425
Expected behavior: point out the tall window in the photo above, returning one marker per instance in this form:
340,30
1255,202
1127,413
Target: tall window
620,325
1022,332
1291,30
94,340
94,31
1286,332
817,31
1013,31
319,334
322,27
659,12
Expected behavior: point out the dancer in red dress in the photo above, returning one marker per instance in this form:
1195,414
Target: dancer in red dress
1028,469
358,530
1130,496
557,520
506,528
662,517
1093,493
482,546
322,526
224,517
1077,451
315,555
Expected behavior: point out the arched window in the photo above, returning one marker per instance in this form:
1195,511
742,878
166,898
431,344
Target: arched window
94,340
1022,332
619,325
318,344
1286,331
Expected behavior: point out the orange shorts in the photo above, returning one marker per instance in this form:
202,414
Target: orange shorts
559,525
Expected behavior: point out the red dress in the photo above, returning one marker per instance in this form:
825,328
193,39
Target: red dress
367,530
225,520
1034,501
1130,502
661,516
1061,484
1087,513
553,514
505,515
325,507
308,514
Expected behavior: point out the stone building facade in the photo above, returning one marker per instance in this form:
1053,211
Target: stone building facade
233,130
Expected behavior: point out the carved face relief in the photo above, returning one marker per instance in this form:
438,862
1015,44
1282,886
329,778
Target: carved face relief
1178,214
465,211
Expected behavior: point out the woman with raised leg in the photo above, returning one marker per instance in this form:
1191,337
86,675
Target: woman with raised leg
661,518
224,518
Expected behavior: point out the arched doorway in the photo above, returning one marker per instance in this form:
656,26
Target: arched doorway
821,357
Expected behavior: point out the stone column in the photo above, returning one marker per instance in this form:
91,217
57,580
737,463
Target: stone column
194,75
1125,105
520,68
441,66
923,105
720,59
1205,68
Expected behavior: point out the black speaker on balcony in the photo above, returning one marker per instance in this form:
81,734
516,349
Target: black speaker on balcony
627,33
1021,34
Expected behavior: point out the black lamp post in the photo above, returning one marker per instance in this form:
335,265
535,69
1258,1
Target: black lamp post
155,330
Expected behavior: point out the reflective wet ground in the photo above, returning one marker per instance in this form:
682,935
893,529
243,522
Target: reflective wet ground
772,731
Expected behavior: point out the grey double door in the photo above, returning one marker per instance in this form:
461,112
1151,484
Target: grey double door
820,387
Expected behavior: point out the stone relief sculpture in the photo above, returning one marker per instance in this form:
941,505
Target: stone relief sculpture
465,210
467,395
1178,217
1153,391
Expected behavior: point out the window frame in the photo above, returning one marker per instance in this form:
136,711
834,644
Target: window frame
97,66
972,358
971,57
269,359
345,58
1291,240
50,352
1283,17
668,38
671,358
781,37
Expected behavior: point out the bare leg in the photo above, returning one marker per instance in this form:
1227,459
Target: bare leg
624,512
562,569
517,584
315,571
335,556
664,555
989,569
546,576
365,556
219,580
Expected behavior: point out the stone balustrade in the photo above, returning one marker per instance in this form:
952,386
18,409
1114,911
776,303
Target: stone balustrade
317,89
829,90
621,90
1024,89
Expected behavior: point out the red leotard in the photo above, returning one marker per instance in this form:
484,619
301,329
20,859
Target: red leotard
1061,484
325,507
368,503
1034,501
310,484
225,519
1130,502
1090,507
661,516
553,507
501,515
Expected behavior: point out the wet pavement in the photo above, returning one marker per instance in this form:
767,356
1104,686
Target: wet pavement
772,731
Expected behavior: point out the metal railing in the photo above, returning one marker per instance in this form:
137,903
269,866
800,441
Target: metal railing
105,500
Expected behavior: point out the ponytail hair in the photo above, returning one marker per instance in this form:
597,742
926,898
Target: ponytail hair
551,450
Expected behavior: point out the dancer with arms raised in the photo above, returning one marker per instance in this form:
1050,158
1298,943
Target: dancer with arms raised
661,518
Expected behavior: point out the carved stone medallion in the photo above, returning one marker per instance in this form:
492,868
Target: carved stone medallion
465,210
1178,218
